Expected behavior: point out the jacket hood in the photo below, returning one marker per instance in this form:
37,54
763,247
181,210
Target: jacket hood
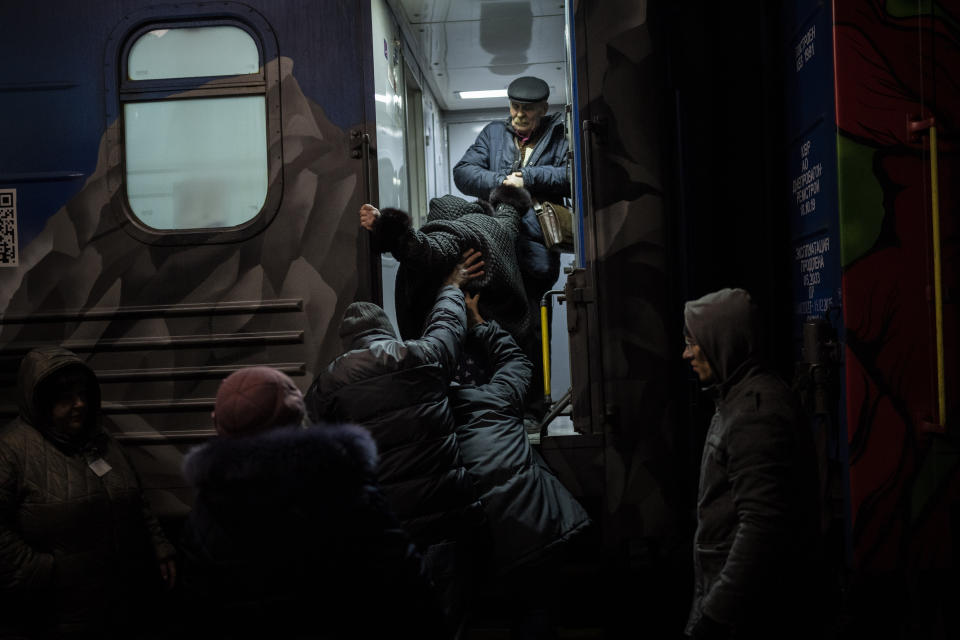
450,207
37,367
363,319
724,323
278,464
506,202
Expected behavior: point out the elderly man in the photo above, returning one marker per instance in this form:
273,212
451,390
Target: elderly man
757,516
529,150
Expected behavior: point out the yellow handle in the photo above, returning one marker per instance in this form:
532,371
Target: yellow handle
937,279
545,344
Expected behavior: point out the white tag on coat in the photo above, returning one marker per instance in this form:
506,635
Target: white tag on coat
100,467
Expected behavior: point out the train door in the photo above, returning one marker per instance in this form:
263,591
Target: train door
428,61
179,188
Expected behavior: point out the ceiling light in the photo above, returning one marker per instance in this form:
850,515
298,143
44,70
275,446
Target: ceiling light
490,93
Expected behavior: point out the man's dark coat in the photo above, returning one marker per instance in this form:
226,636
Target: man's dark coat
757,514
531,514
487,163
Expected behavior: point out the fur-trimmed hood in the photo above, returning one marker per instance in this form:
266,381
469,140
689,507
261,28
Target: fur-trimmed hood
515,197
327,459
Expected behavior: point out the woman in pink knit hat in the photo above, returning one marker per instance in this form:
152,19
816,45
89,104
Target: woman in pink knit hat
290,535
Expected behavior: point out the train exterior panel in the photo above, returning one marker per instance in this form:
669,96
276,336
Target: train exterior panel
865,176
164,309
898,218
783,147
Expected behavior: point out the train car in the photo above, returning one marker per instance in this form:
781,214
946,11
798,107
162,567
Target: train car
180,189
178,199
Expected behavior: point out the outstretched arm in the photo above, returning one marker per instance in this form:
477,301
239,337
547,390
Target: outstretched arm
369,215
511,368
447,321
394,233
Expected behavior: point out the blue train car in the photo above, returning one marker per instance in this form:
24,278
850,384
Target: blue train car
179,186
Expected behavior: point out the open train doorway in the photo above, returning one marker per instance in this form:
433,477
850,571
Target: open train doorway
441,71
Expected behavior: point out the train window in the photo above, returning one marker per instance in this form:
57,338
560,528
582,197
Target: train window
198,163
195,142
193,52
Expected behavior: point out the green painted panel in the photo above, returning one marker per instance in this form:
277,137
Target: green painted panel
861,199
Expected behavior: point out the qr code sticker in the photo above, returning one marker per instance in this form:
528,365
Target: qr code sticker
8,228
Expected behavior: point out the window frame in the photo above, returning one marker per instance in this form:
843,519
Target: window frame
121,90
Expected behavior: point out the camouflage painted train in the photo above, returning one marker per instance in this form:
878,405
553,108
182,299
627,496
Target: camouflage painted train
180,212
172,213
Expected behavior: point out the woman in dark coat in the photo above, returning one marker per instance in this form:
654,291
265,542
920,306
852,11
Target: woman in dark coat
290,536
531,513
427,255
79,547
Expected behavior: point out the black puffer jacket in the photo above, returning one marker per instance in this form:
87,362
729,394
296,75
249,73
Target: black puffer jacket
757,512
429,254
291,537
77,550
530,512
398,390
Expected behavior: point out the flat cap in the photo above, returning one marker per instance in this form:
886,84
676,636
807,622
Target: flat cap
528,89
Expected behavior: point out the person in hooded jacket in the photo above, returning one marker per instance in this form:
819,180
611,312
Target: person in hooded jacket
398,390
757,508
531,515
79,546
290,535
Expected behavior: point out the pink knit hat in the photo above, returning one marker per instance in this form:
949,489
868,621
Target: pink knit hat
256,399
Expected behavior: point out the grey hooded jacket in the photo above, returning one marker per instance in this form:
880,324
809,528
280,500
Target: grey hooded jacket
757,499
